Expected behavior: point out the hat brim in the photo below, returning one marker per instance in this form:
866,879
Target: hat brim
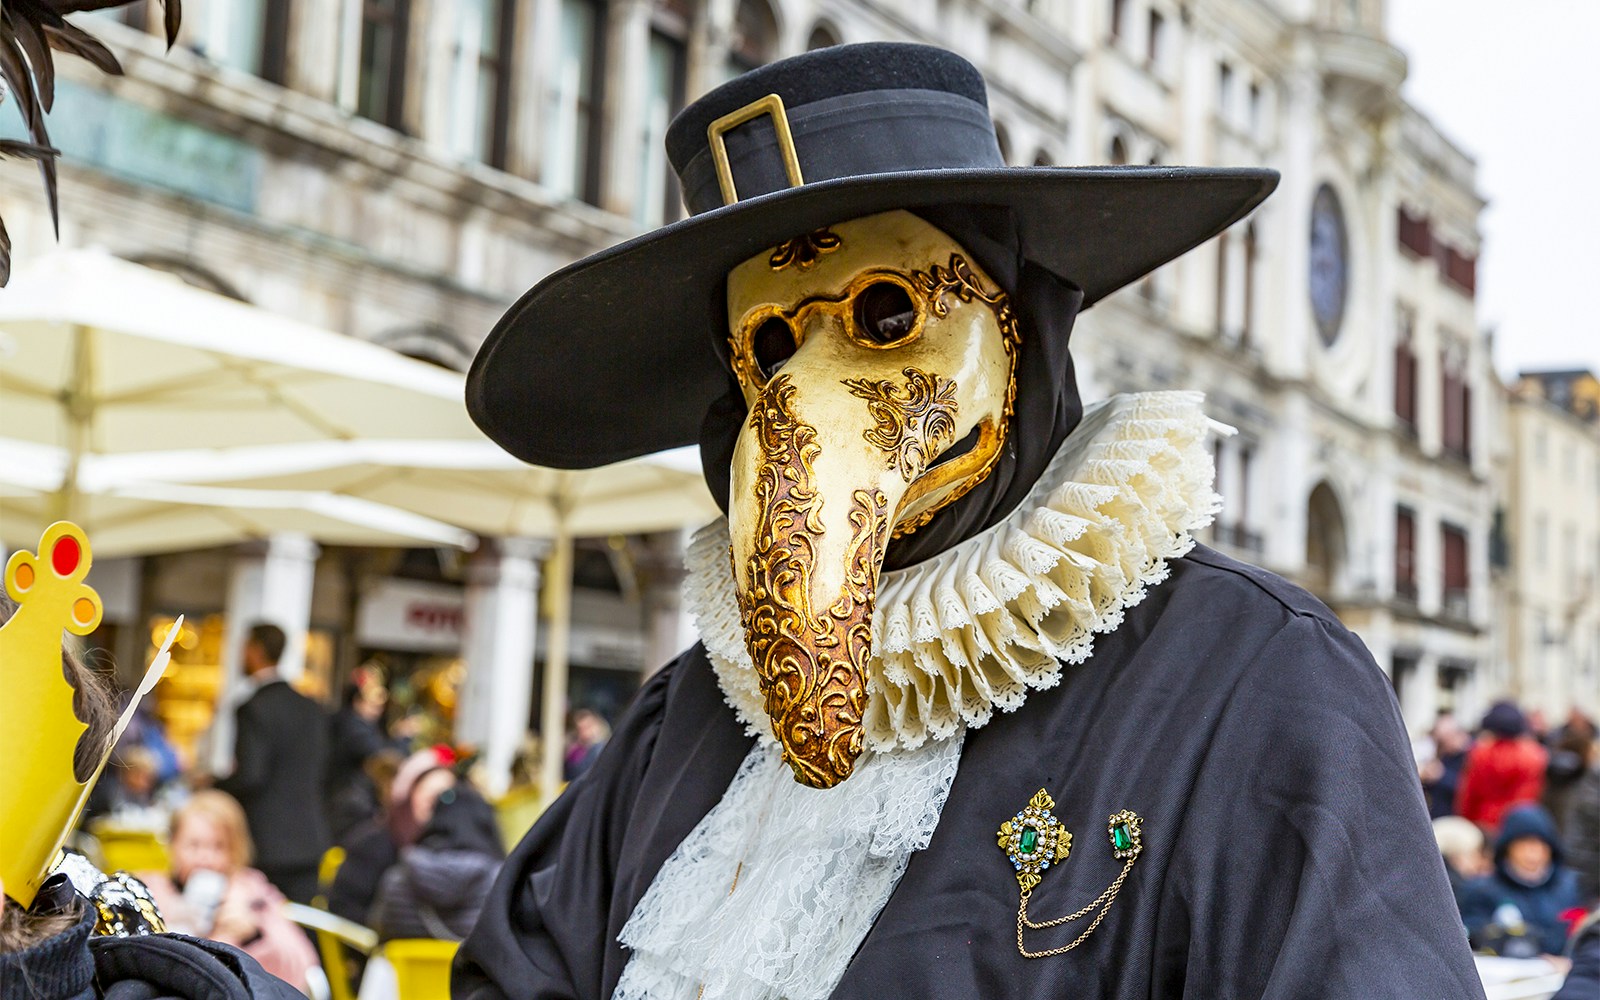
612,357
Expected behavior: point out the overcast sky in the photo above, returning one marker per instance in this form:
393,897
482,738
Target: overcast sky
1517,85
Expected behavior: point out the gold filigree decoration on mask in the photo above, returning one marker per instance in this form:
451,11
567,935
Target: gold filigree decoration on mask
811,662
804,251
915,422
937,284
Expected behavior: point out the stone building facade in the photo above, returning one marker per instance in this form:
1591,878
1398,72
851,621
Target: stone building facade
400,170
1547,587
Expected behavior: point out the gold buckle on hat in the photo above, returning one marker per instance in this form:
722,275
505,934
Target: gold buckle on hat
772,105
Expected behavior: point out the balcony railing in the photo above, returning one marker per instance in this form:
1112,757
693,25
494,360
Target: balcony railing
1239,537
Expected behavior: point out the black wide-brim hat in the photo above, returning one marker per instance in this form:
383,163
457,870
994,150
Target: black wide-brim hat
620,354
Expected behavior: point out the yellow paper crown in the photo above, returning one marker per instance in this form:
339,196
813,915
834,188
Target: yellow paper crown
40,799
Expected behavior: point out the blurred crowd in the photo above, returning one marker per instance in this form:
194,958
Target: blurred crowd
1516,812
340,810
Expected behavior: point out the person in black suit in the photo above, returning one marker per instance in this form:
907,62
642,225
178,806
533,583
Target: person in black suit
280,755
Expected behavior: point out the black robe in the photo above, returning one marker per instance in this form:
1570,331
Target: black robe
1287,849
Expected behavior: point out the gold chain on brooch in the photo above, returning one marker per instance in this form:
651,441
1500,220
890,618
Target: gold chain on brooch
1034,841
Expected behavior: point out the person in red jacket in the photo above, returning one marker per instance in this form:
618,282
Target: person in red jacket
1505,768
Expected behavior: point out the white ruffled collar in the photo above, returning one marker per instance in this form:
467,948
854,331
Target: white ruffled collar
978,626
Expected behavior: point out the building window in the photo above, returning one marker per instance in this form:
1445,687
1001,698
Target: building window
1250,251
1415,234
1236,280
755,37
1155,41
1405,369
1119,151
248,35
1461,271
1454,541
1119,9
658,200
822,36
1569,557
1405,554
480,83
1222,285
1247,456
571,164
1541,542
1225,92
1325,541
1255,109
381,86
1456,403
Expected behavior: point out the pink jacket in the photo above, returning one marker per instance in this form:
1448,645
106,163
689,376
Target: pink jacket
280,946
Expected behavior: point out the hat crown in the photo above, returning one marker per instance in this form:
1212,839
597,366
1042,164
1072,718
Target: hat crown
854,110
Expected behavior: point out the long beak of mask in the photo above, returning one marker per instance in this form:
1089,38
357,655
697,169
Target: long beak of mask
878,362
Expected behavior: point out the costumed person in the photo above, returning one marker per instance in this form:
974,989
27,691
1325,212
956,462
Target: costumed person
971,714
67,931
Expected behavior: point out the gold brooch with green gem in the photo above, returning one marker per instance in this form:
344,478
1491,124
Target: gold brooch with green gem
1034,840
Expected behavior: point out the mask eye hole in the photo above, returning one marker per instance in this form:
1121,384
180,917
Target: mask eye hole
771,345
884,314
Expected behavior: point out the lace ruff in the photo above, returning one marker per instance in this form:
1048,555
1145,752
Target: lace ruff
978,626
773,891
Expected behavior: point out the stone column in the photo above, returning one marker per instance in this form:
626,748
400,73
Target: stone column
1288,345
270,582
501,624
315,47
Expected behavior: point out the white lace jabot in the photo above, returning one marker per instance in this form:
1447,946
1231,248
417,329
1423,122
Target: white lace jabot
774,890
978,626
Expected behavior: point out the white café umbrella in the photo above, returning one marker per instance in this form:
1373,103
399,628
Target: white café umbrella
471,484
99,356
477,486
146,518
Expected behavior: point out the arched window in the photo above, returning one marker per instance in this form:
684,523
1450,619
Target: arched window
754,40
1042,159
1325,541
822,36
428,342
1119,151
666,75
190,273
571,162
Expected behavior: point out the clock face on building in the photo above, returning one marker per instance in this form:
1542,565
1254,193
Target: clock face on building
1330,264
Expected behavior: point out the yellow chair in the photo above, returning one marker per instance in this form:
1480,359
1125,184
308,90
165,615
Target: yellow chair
334,935
130,850
327,871
421,966
516,811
